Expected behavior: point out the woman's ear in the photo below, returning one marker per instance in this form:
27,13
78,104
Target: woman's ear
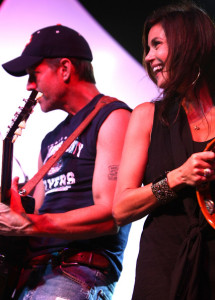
66,69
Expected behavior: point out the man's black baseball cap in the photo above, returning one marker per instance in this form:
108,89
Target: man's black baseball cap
49,42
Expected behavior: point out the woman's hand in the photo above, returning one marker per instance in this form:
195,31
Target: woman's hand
199,168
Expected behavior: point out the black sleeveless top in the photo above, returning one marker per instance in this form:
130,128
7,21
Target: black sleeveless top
176,239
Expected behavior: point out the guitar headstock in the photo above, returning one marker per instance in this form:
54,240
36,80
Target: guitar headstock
18,122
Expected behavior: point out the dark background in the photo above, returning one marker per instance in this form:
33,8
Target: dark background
124,19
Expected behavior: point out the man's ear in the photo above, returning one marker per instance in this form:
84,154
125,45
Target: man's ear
66,69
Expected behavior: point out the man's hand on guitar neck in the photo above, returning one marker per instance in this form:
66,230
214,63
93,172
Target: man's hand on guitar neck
13,219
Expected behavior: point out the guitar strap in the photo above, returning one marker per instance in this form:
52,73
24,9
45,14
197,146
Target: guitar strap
28,187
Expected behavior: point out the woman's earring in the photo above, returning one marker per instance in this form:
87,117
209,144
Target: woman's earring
197,77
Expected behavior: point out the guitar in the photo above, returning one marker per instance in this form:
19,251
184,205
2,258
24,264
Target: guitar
12,249
206,199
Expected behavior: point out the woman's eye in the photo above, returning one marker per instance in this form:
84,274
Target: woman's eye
156,44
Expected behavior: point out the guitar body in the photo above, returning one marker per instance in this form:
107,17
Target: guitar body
205,195
13,249
12,255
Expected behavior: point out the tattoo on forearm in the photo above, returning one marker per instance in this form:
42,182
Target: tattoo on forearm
112,172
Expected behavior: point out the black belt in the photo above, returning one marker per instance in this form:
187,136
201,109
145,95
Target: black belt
88,258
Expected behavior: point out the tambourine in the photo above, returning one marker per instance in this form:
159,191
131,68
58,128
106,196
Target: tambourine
204,196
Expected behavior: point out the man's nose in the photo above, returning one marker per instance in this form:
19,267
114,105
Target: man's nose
31,85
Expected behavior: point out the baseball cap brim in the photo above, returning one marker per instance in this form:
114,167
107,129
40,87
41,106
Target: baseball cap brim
17,66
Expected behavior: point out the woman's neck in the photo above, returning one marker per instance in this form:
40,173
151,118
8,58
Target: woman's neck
197,107
200,112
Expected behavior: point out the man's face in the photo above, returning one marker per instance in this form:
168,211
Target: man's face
46,80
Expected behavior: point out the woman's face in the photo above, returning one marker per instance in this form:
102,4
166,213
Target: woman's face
157,55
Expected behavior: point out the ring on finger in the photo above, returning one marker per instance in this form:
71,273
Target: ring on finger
207,172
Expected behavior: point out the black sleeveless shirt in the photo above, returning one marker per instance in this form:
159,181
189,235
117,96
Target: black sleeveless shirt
176,238
68,184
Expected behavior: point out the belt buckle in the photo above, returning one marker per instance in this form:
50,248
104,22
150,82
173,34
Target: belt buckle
63,255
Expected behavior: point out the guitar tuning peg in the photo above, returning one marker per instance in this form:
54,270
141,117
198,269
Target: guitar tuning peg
22,124
39,95
18,132
14,138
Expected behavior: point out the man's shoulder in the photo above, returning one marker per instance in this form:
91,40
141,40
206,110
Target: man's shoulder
116,103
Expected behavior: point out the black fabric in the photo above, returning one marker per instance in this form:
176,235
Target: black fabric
177,247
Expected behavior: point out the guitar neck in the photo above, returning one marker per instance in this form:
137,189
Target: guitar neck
7,154
6,176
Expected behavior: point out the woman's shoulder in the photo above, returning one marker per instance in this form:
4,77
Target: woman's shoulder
144,106
143,114
145,109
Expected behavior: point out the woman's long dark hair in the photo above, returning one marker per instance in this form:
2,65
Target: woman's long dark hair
190,35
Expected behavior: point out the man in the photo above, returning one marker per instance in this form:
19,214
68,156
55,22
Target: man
75,249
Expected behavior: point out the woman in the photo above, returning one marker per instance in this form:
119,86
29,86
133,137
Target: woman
177,248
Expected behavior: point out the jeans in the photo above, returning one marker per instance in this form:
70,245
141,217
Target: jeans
66,282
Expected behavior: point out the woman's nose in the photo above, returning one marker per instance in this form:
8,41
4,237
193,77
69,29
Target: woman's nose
149,56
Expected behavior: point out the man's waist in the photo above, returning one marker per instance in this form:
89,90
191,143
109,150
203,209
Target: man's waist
69,256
